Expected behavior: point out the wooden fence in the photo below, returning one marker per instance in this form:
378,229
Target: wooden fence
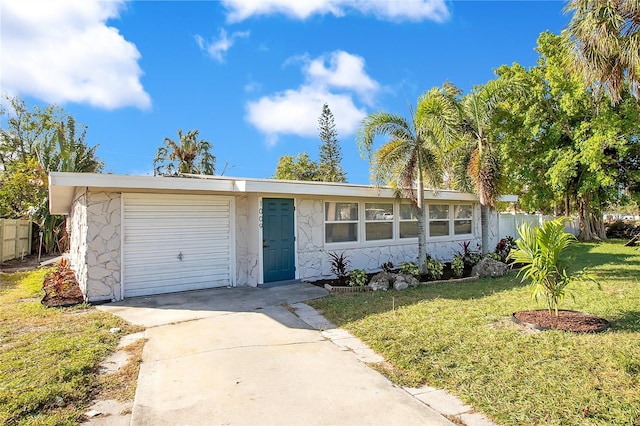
15,235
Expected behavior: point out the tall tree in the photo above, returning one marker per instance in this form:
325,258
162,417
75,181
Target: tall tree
478,157
410,158
34,142
606,37
187,155
582,152
299,167
329,168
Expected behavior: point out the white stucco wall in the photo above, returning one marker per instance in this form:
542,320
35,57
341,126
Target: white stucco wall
246,240
313,254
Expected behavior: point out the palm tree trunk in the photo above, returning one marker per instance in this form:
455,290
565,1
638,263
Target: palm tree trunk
485,213
422,227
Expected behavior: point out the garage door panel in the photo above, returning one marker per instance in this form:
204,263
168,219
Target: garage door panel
176,243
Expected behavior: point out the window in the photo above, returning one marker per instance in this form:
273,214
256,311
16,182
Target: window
408,221
462,215
378,221
438,220
341,222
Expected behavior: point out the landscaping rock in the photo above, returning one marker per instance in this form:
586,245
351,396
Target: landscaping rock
400,283
380,282
411,280
489,267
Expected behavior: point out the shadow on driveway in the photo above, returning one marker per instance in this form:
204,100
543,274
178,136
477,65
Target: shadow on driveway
162,309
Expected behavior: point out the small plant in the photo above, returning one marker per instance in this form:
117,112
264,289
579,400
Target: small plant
470,257
434,268
504,247
457,265
358,278
339,265
494,256
60,286
410,268
542,251
387,266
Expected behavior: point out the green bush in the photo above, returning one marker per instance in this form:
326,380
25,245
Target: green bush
494,256
457,265
410,268
358,278
434,268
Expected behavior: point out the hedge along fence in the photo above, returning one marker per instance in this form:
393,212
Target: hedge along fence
15,235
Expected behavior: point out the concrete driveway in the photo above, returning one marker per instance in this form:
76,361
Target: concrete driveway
237,356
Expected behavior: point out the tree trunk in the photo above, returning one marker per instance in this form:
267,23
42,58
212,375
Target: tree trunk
422,228
485,212
590,223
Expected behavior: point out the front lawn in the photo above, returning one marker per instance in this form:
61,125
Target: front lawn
49,357
460,337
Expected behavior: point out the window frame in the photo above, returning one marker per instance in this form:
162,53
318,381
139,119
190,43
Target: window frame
361,222
391,221
355,221
410,220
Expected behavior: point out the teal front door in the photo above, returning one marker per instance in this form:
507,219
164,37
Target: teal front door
278,239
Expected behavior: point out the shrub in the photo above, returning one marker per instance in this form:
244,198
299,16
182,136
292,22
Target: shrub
494,256
470,257
410,268
339,265
434,268
504,247
387,266
60,286
358,278
542,251
457,265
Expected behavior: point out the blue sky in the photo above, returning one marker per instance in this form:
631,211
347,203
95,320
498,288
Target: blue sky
252,76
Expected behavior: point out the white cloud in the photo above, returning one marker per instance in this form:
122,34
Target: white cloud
296,112
387,10
63,51
217,48
345,71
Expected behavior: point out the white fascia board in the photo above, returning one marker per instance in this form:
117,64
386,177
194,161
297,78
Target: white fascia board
62,187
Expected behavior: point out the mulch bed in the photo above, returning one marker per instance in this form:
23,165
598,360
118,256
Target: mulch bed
578,322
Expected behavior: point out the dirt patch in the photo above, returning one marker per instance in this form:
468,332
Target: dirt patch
578,322
27,263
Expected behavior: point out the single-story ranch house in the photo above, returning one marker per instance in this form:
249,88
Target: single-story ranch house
141,235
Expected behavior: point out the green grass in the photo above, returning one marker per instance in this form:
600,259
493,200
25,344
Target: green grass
460,337
49,356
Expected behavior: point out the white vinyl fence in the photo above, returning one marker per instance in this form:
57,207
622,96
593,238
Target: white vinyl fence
508,223
15,235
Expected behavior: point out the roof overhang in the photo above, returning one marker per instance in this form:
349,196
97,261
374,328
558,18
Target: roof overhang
64,186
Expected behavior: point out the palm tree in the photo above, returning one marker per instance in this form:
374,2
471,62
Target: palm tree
188,155
479,154
411,156
606,34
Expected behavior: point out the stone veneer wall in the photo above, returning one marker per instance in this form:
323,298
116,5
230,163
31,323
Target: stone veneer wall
313,258
103,240
77,231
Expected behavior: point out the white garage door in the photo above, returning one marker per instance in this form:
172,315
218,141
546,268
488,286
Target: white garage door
176,243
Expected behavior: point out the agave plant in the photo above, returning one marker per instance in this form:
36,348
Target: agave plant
543,253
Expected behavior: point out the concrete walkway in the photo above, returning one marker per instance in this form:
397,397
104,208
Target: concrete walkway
238,356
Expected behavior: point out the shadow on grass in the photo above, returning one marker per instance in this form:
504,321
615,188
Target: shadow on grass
628,321
346,308
587,255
